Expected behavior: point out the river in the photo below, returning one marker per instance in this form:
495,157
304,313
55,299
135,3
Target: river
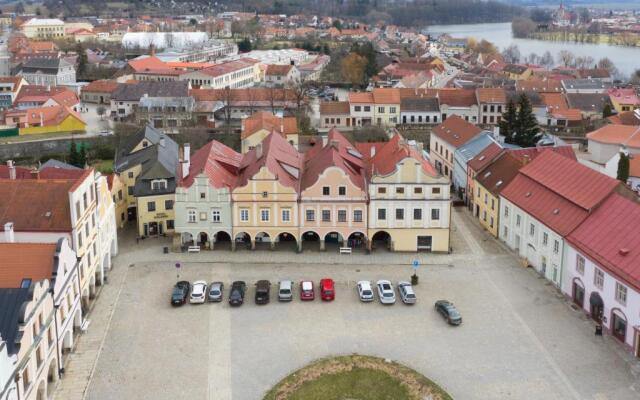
626,59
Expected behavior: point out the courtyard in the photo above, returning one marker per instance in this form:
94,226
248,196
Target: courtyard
519,339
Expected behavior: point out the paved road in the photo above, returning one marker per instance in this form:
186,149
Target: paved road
519,340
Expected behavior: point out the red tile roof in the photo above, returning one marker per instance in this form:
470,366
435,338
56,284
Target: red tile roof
491,95
218,162
533,152
456,131
457,97
25,261
624,118
278,70
610,238
617,134
334,108
496,176
389,154
486,156
101,86
265,120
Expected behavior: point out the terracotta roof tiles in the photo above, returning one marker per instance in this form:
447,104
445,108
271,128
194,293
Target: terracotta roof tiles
25,261
456,131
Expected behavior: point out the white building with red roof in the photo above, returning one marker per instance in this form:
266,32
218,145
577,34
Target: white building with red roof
409,201
602,274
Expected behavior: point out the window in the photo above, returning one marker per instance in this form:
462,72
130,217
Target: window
381,110
580,264
493,204
244,214
286,215
215,215
517,220
158,185
506,211
417,190
621,293
505,232
130,190
326,215
192,216
417,214
399,214
400,190
120,194
311,215
484,216
382,190
357,108
545,238
392,110
151,206
342,215
532,229
79,239
435,214
598,278
486,198
202,195
265,194
25,284
342,191
130,175
326,191
168,204
491,223
382,214
170,224
357,215
556,247
367,108
264,215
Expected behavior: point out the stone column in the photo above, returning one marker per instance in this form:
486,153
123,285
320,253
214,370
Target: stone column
322,248
253,244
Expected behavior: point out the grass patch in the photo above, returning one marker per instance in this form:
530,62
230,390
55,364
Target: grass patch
356,377
103,166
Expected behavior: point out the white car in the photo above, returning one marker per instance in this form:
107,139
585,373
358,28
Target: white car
198,292
365,292
407,295
386,294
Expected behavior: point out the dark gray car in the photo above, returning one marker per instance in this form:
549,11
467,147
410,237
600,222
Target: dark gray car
449,312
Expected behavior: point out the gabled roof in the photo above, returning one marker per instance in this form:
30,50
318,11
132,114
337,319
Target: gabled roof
590,102
497,175
376,96
456,131
539,85
491,95
486,156
625,118
45,116
45,65
152,89
338,152
25,261
40,94
265,120
389,154
424,104
527,154
278,70
334,108
278,156
218,162
474,146
610,238
617,134
101,86
458,97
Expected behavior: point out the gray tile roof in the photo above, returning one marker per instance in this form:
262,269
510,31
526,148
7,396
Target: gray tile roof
592,102
50,65
585,84
11,304
52,163
427,104
134,92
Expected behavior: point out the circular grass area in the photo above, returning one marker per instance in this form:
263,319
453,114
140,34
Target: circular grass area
356,377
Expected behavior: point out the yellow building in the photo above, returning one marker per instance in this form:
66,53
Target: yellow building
488,184
624,99
259,125
119,195
46,120
155,214
265,200
517,72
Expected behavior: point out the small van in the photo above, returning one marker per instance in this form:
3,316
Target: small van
285,291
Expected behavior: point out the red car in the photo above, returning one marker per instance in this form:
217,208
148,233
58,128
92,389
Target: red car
327,290
306,290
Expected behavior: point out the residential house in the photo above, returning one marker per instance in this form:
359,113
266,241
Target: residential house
203,196
261,124
9,88
591,105
265,198
381,107
544,203
118,192
461,157
166,113
335,114
625,118
45,120
602,275
43,28
624,99
492,102
8,384
237,74
445,139
409,202
476,164
33,96
125,100
99,92
47,71
585,86
147,163
516,71
595,73
459,102
419,110
281,75
333,195
607,141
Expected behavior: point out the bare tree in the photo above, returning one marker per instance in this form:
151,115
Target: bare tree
566,58
300,90
101,111
228,96
547,59
584,62
169,40
512,54
533,58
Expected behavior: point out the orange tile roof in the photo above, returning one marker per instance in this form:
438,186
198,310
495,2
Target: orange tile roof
457,97
491,95
361,97
265,120
386,96
634,166
334,107
456,131
45,116
25,261
278,70
539,85
617,134
102,86
554,101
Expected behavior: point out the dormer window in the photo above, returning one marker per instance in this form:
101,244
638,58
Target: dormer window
159,185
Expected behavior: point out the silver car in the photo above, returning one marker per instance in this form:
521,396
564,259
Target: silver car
365,292
386,294
285,290
407,295
215,291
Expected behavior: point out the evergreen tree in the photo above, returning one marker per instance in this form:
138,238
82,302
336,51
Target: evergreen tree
606,111
623,168
509,121
527,130
245,45
82,158
82,60
74,156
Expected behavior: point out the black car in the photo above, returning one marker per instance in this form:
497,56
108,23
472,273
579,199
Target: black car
262,291
449,312
236,294
180,293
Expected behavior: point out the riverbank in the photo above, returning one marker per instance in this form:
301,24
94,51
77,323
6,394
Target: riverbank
627,40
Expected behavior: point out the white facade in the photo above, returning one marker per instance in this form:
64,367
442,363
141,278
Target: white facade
37,28
542,247
107,228
469,114
65,75
8,387
420,117
160,40
237,78
583,274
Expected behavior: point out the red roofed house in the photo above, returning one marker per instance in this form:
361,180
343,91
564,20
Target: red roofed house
602,273
409,201
258,126
99,92
624,99
203,196
279,75
265,196
549,198
460,102
333,195
491,103
446,138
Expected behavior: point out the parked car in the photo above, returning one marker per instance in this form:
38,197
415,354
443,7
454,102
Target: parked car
306,290
327,289
198,292
449,312
285,290
106,132
215,291
180,293
386,293
364,291
262,291
236,294
407,295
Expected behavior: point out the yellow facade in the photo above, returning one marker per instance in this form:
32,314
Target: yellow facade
257,137
159,218
69,124
119,196
264,195
488,208
128,179
405,239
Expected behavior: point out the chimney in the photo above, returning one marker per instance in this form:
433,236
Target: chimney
161,141
420,147
35,174
372,152
258,151
9,235
496,131
526,159
335,144
186,163
12,169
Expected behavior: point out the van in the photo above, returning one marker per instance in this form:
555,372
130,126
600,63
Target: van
285,291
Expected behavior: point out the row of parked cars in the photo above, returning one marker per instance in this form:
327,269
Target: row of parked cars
201,292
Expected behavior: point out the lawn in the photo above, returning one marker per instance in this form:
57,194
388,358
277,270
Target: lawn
103,166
